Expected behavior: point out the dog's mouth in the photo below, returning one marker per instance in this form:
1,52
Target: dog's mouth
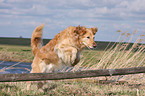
90,47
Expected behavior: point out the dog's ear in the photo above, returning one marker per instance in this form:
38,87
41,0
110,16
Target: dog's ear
80,30
94,30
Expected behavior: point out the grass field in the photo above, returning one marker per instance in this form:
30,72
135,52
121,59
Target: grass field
117,55
83,87
15,53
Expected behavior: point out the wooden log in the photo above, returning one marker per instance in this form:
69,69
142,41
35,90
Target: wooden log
69,75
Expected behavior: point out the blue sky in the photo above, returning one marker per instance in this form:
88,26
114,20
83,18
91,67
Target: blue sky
20,17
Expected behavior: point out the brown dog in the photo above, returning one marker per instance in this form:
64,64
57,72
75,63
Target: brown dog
63,50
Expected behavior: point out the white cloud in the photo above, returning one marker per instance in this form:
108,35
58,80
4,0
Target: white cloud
5,23
122,26
109,15
137,5
140,21
31,23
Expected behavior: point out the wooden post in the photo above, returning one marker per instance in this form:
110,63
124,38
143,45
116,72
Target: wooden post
69,75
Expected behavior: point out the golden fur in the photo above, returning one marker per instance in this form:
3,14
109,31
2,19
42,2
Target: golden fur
63,50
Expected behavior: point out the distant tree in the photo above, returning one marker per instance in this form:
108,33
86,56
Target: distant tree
20,37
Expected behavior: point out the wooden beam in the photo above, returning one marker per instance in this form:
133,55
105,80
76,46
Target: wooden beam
69,75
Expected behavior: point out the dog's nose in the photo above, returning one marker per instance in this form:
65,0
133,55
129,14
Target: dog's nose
94,45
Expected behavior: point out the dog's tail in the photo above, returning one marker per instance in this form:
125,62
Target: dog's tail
36,39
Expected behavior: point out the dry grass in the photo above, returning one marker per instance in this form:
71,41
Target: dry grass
73,88
15,53
120,55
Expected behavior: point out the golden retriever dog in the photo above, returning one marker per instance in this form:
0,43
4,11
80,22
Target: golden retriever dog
63,50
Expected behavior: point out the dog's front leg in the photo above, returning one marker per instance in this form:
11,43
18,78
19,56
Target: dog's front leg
70,55
74,55
67,54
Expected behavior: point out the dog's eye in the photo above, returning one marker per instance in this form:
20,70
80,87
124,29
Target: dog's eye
88,37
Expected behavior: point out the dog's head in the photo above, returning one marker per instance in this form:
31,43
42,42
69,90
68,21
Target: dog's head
86,36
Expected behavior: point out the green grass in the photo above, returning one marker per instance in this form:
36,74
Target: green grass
78,87
16,53
113,55
72,88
